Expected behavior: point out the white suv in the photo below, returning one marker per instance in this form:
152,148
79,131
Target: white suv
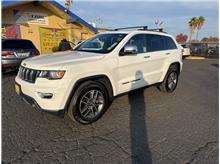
84,82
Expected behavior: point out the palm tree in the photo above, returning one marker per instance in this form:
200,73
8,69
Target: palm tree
192,26
200,23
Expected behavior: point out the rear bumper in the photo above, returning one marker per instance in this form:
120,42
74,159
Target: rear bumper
6,63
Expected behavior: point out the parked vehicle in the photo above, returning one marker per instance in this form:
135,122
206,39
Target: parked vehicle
84,82
185,50
213,51
16,50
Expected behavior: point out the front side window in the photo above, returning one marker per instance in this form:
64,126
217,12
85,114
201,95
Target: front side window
103,43
139,41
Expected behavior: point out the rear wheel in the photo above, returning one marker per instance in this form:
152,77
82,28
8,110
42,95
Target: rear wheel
171,79
89,102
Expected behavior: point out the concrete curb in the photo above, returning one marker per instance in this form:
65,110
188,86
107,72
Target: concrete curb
195,58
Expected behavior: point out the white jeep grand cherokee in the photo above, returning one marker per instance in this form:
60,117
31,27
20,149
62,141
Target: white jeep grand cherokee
84,82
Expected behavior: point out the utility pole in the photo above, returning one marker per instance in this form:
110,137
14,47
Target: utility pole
68,4
99,21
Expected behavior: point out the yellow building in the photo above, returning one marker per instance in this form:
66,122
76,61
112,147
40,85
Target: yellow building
45,23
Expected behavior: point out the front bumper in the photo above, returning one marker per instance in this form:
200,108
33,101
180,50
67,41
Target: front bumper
30,93
35,105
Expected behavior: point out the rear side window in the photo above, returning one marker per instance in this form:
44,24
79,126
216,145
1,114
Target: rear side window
159,43
17,44
154,43
168,43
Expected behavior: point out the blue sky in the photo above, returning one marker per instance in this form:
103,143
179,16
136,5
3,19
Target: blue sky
174,14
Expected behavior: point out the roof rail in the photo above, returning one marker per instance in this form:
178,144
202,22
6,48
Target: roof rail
144,28
140,28
156,29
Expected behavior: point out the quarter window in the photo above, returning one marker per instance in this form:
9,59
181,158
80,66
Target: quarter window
168,43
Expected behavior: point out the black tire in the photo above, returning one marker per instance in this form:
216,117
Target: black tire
75,109
164,87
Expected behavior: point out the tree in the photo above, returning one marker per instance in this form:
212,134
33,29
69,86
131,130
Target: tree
213,39
192,26
195,23
181,38
200,23
210,39
204,39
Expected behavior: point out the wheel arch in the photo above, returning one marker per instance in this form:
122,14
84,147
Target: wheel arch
177,64
102,79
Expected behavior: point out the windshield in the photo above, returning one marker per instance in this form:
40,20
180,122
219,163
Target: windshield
102,43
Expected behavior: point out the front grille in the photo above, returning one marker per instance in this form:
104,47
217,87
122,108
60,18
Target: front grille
27,74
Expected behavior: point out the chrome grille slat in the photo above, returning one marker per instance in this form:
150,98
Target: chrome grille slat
27,74
31,75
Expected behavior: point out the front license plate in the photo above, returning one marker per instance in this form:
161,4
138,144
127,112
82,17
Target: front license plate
17,89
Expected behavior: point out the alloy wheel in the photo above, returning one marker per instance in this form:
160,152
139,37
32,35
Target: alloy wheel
91,104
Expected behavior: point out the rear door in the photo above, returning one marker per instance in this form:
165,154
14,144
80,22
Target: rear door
159,50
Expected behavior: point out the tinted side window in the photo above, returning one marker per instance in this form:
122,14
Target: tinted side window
168,43
154,43
17,44
139,41
185,46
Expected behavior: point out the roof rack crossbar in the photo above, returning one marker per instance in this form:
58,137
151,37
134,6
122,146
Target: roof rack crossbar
124,28
156,29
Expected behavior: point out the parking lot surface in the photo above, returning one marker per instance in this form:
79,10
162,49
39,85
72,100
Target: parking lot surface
145,126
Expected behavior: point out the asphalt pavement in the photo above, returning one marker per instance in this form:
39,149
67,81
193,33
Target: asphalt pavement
143,127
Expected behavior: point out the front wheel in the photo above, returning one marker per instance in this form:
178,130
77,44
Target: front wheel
89,103
170,82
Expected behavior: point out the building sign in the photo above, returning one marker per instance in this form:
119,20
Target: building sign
22,17
3,32
50,39
11,31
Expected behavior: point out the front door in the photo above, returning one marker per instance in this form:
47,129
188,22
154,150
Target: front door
131,67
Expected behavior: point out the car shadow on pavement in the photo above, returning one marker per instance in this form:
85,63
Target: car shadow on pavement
138,128
9,74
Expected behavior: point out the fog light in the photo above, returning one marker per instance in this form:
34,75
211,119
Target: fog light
45,95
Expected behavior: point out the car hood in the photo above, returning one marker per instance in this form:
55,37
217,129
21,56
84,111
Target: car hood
60,59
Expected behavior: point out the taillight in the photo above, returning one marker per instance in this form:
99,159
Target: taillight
7,53
35,53
182,51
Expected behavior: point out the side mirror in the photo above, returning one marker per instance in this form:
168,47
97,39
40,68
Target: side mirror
129,50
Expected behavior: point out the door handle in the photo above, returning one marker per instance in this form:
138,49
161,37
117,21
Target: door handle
146,57
167,53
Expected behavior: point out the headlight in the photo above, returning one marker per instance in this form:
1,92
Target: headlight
52,75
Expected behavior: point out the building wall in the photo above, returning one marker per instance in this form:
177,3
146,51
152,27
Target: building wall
32,31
